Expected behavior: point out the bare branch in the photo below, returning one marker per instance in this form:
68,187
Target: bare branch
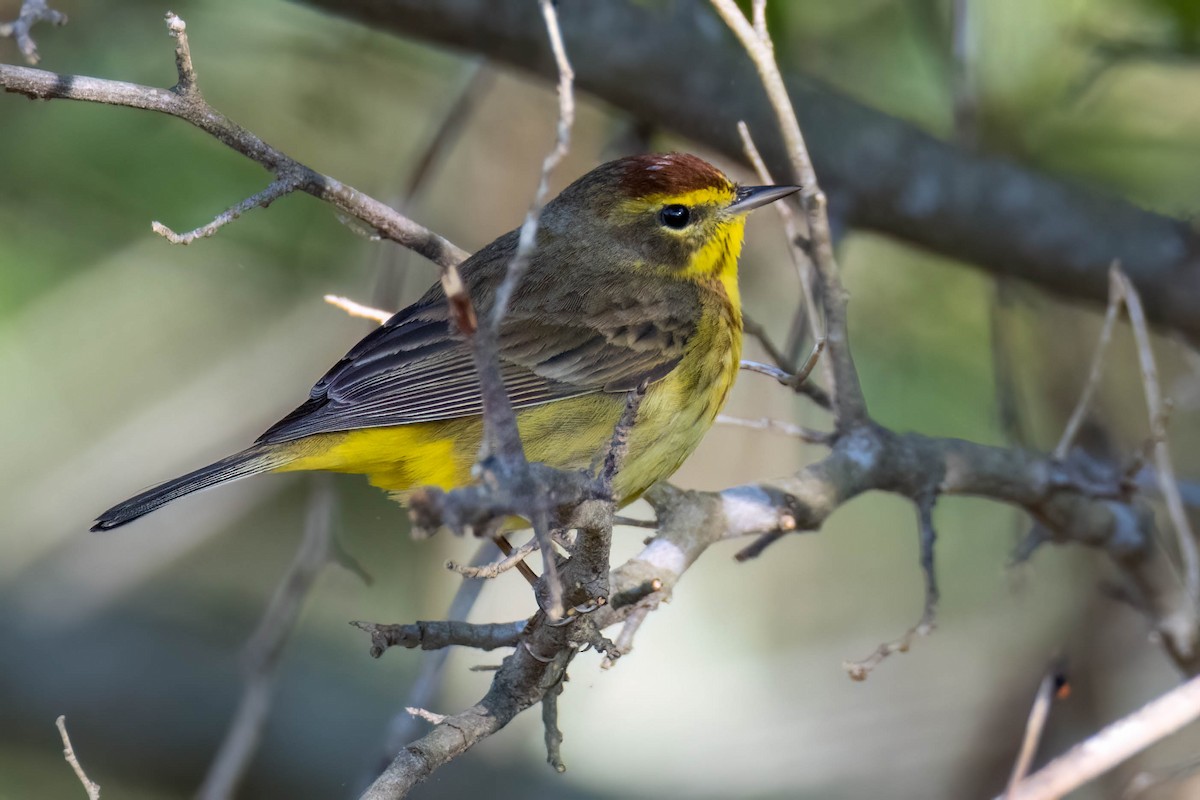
358,309
496,568
777,426
618,444
1164,466
624,643
428,716
1036,723
554,737
184,102
1095,371
265,649
800,259
442,633
527,240
429,677
849,404
1115,743
89,786
31,13
859,670
278,188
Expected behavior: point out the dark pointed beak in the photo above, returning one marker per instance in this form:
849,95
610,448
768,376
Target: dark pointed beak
751,197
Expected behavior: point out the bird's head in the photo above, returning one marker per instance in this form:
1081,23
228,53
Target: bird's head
672,213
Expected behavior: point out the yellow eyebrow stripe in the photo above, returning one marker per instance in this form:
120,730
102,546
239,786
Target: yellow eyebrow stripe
696,197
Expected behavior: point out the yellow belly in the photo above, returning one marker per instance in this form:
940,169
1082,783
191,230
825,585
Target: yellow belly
568,434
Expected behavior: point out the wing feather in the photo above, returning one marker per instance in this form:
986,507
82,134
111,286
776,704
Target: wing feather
416,368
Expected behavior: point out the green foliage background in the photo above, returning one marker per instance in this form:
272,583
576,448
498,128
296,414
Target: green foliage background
125,360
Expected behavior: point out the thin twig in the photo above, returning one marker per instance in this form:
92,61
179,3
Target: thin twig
527,238
928,539
849,402
92,788
962,50
1112,745
526,571
554,737
278,188
429,678
184,102
31,13
1095,371
859,670
806,388
1158,410
496,568
777,426
624,642
428,716
501,446
800,259
618,443
355,309
265,649
391,273
1039,712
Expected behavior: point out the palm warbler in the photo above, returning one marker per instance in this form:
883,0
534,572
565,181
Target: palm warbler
634,279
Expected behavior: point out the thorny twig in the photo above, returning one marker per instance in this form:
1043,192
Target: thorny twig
31,13
91,787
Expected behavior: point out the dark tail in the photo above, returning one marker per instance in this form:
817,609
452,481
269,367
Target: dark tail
240,465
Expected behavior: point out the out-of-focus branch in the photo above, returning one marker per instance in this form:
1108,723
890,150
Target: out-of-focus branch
1163,463
1034,725
849,404
185,102
1116,742
91,787
502,454
31,13
882,173
265,648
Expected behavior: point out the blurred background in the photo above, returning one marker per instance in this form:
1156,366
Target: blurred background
126,360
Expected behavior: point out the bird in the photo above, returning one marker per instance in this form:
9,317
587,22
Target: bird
633,283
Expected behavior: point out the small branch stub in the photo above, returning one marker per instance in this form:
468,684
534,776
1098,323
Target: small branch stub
31,13
91,787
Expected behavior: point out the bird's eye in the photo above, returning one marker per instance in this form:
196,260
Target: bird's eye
675,216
